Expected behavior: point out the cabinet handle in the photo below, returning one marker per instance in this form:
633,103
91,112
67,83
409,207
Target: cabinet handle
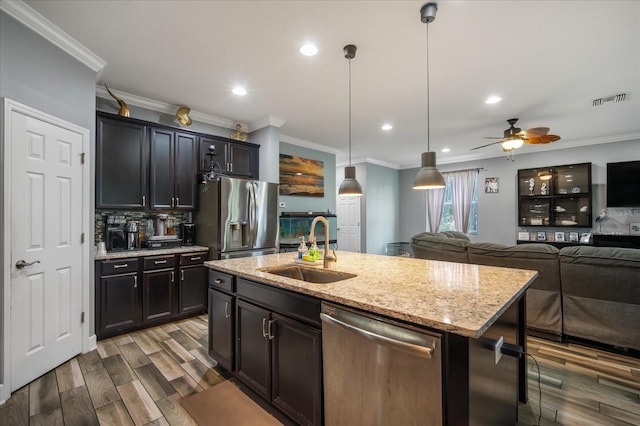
177,202
269,334
218,281
264,323
144,201
181,274
172,276
171,202
230,167
160,262
135,281
226,310
196,258
122,265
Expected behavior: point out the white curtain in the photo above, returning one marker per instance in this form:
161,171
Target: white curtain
462,184
435,202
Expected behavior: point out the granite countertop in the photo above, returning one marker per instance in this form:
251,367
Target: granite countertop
460,298
155,252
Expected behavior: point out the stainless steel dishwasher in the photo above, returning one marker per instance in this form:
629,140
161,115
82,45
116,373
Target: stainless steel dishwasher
379,372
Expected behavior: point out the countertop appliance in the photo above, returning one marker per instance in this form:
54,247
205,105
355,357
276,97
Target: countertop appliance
115,231
162,238
385,373
188,234
133,238
237,217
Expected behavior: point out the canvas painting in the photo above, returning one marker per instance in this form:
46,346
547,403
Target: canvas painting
301,176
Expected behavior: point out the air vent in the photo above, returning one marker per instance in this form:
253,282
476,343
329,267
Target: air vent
609,99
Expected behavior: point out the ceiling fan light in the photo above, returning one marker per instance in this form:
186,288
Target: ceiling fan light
428,177
350,186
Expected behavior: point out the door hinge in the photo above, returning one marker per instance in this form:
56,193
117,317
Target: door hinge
82,238
82,318
82,158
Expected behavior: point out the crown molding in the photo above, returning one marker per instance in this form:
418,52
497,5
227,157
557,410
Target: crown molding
48,30
267,121
306,144
529,149
166,108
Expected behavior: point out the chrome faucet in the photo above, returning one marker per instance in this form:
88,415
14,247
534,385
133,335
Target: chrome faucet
312,238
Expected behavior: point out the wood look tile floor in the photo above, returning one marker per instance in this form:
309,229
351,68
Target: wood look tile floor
139,379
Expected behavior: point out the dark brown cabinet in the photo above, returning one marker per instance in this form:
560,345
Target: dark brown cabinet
238,159
253,347
139,292
192,287
122,157
172,169
117,291
278,338
221,325
296,348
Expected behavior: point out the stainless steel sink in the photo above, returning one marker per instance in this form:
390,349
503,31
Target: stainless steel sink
311,275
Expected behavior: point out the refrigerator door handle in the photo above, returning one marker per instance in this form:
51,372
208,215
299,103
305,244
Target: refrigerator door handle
253,225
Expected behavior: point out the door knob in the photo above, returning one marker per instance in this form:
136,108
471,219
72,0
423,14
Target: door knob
21,263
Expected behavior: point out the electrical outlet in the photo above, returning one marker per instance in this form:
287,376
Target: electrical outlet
283,204
497,349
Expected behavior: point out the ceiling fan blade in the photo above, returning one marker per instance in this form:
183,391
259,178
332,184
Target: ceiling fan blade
543,139
492,137
489,144
536,132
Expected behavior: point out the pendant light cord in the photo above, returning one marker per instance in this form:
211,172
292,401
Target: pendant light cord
349,112
428,124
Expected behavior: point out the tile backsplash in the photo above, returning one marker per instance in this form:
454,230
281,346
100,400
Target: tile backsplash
175,218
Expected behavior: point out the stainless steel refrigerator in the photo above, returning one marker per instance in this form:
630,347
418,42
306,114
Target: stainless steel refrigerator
237,217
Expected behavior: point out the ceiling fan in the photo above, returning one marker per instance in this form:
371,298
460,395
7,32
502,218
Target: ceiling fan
514,137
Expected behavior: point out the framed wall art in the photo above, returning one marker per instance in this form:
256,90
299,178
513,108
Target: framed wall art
301,176
491,185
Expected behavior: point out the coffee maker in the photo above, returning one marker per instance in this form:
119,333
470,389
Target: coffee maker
163,236
115,232
188,234
133,237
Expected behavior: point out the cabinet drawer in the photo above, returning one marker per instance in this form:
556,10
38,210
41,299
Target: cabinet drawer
159,262
192,259
122,266
221,281
293,305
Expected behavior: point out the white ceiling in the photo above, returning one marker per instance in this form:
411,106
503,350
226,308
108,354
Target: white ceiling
546,59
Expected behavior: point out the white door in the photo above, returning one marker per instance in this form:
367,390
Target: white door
349,223
46,226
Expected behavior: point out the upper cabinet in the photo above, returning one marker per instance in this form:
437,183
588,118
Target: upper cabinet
142,165
173,170
237,159
122,157
555,196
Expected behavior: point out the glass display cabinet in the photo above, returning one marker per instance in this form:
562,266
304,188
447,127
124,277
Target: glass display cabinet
557,196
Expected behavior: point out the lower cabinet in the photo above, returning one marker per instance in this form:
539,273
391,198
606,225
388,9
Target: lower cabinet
138,292
221,325
278,343
192,287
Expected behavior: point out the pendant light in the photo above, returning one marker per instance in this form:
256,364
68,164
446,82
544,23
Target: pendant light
428,177
350,185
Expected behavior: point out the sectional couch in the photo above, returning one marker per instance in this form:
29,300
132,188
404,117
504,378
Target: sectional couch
584,292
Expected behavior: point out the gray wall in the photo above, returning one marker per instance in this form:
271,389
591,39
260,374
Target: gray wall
316,204
497,213
382,208
36,73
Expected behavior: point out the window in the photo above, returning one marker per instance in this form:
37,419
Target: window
447,222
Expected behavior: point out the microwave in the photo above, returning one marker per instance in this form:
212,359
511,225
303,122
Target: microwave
116,239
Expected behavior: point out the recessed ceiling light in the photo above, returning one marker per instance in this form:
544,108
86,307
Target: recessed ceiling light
387,127
240,91
445,150
493,100
309,49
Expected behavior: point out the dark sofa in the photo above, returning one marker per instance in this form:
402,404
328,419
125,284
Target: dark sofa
591,293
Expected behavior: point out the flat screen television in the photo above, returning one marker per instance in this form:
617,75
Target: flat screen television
623,184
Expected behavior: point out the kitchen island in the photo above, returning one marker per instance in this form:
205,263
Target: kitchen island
473,307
